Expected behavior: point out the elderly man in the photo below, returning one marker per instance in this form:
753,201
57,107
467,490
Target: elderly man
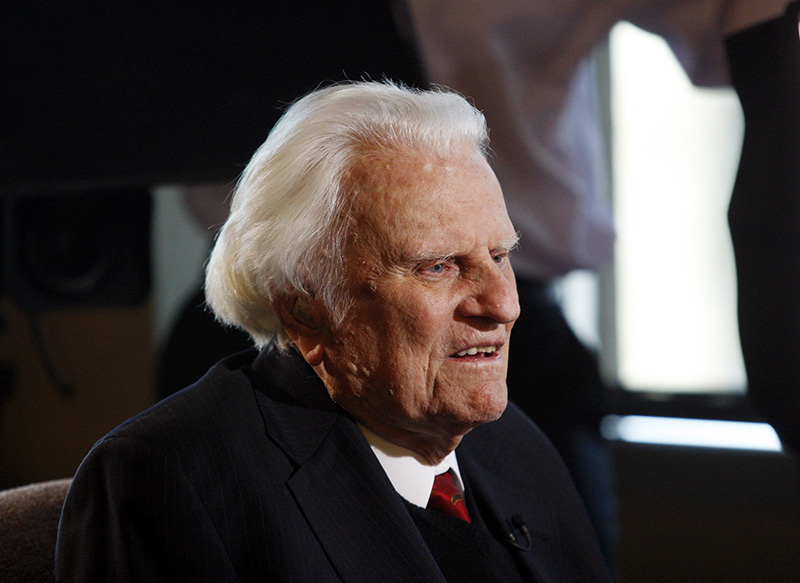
367,253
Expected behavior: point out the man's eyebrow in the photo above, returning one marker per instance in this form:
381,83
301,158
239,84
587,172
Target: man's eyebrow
428,255
511,243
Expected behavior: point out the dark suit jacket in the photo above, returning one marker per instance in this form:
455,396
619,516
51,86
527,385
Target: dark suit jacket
253,474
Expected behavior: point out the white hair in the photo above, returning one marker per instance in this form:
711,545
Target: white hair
286,230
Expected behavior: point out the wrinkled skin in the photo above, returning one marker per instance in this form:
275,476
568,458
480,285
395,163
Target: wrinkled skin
429,275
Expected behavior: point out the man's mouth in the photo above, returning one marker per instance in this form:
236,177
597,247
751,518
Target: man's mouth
477,351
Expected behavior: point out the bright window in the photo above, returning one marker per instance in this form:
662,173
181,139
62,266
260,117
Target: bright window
675,150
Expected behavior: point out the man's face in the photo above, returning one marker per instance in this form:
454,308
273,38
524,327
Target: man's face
424,348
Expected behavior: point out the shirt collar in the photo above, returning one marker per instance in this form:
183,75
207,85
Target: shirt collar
411,475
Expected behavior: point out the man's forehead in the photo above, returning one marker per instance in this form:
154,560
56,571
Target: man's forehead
396,173
431,205
408,180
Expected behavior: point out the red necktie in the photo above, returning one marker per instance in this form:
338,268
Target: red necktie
446,497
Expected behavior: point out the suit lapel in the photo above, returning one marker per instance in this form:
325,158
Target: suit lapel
339,485
499,495
356,514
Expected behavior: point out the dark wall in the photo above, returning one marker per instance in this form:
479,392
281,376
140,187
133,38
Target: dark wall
707,515
130,93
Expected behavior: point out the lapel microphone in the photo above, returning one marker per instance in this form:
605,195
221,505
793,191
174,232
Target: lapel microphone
518,523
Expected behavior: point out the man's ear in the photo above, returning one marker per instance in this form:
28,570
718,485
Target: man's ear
299,314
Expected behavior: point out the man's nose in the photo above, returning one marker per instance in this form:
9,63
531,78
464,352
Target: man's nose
495,296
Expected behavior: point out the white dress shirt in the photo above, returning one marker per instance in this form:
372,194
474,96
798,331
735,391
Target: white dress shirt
411,475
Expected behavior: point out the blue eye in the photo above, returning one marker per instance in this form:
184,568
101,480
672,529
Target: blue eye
438,268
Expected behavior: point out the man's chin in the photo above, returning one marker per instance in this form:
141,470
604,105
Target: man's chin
490,404
497,413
